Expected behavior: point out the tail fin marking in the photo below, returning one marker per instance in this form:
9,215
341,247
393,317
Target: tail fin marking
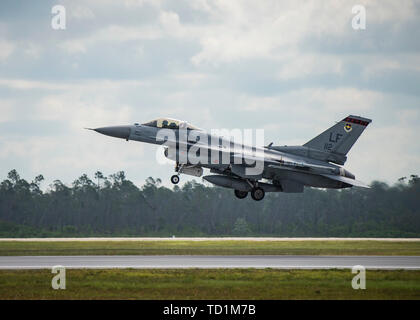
340,137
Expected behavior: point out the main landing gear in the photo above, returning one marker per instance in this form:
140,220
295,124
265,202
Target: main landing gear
257,193
241,194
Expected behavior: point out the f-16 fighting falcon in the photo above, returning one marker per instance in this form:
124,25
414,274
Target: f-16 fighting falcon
249,169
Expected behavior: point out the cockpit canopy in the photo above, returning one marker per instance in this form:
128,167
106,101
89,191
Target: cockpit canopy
169,123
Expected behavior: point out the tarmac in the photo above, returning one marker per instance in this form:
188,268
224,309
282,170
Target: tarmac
201,261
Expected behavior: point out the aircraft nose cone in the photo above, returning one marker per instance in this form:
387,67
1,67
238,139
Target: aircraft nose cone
115,131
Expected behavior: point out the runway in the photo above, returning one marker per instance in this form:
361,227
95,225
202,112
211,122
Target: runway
198,261
173,238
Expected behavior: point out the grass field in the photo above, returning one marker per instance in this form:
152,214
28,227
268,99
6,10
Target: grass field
229,247
209,284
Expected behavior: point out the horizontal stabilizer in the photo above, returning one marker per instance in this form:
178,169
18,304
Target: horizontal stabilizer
352,182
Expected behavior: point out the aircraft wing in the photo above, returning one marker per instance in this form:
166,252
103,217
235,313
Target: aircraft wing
352,182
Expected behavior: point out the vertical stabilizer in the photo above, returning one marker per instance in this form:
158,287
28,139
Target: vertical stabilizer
341,137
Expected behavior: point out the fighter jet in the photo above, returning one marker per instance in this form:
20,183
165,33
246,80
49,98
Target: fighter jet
249,169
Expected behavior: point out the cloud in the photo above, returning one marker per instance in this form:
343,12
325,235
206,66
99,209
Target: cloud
322,100
6,49
291,67
379,65
170,21
6,110
53,156
33,50
81,12
112,34
300,65
272,29
24,84
385,153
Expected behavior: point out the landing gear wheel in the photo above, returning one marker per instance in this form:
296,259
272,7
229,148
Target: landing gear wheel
257,194
175,179
240,194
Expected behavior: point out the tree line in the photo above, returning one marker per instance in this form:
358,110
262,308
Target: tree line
114,206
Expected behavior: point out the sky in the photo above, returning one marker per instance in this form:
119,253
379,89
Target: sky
292,68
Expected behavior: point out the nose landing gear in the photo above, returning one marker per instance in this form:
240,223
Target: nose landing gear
175,179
